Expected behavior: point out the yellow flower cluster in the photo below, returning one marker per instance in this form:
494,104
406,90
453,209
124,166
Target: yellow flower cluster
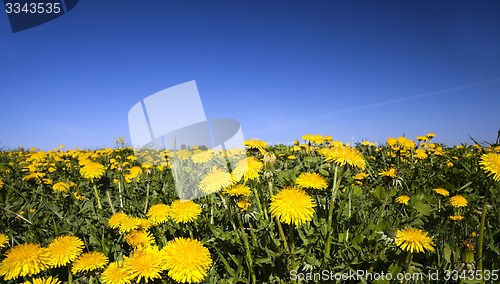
30,259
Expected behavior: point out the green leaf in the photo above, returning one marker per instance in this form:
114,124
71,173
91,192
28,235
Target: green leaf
422,208
465,185
341,237
323,171
394,269
447,253
304,239
266,260
357,240
357,191
417,222
224,261
379,192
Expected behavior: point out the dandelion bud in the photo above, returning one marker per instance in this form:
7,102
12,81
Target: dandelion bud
467,252
269,160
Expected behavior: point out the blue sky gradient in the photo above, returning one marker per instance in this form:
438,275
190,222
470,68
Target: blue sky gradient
350,69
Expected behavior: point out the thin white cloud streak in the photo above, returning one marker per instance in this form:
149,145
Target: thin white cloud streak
384,103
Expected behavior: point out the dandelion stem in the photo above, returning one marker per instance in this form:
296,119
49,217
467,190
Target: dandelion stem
248,253
282,235
259,204
147,199
70,275
335,187
382,210
96,193
110,202
120,193
481,231
190,229
18,215
349,218
408,266
270,187
254,239
211,209
228,210
292,249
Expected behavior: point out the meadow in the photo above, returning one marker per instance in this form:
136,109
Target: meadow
365,213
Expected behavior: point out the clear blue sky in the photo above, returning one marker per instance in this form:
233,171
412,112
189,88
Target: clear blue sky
349,69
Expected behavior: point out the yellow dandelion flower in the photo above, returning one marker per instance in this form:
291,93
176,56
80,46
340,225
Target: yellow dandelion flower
60,186
318,139
456,217
474,234
129,224
89,261
458,201
388,173
405,143
311,180
255,144
202,157
249,168
400,144
307,137
402,199
238,190
34,176
158,214
291,157
115,221
182,154
422,138
49,280
64,249
414,240
139,239
431,135
342,155
420,154
368,143
1,183
146,263
490,163
78,196
186,260
115,273
144,224
441,191
244,204
292,205
24,260
133,174
215,181
361,176
183,211
92,170
4,240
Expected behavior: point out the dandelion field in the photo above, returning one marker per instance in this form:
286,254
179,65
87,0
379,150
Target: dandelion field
111,216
